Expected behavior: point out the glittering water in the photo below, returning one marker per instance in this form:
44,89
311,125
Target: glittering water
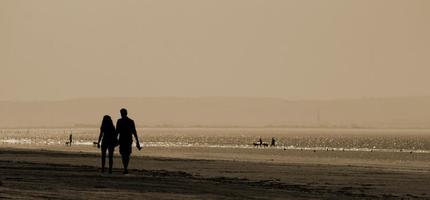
307,139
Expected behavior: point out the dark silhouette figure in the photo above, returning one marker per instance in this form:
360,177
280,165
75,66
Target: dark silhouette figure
259,143
70,139
109,141
126,129
273,142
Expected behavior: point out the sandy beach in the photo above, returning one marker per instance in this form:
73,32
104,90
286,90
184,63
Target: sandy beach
39,173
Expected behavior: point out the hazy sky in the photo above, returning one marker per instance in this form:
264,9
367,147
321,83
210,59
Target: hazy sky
302,49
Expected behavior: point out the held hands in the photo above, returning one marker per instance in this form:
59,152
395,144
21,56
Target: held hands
138,146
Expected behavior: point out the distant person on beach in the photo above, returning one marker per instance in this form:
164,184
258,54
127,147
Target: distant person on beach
273,142
260,141
109,141
126,129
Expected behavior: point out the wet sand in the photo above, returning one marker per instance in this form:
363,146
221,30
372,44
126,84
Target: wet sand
34,173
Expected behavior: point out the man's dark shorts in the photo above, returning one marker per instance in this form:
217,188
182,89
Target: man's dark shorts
125,149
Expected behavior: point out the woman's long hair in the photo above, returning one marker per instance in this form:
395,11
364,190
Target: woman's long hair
107,124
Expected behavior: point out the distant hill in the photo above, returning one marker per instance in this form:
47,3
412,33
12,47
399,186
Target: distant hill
410,112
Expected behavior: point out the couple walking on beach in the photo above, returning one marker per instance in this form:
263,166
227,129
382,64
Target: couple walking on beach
125,129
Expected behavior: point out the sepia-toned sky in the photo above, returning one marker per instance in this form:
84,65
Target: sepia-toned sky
293,49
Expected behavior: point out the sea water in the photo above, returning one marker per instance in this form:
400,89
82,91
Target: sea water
391,140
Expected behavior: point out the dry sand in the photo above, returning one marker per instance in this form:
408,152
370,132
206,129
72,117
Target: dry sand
31,173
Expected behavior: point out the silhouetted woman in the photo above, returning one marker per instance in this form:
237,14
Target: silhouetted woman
109,141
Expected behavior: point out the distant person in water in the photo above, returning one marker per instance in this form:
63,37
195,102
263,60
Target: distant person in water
109,141
70,139
126,129
273,142
260,141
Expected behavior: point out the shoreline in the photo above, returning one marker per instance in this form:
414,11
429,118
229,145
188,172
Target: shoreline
262,155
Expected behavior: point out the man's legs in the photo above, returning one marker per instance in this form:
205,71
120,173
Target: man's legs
125,160
125,151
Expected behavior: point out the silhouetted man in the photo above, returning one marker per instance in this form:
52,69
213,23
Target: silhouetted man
125,128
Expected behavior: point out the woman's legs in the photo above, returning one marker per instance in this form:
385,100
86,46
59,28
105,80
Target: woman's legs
111,150
103,158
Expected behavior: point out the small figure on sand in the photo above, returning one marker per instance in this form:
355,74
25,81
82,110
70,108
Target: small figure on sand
126,129
109,141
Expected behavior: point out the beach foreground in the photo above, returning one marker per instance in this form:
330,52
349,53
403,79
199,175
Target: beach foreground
30,173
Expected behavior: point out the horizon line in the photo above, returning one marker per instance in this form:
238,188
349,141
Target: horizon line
205,97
